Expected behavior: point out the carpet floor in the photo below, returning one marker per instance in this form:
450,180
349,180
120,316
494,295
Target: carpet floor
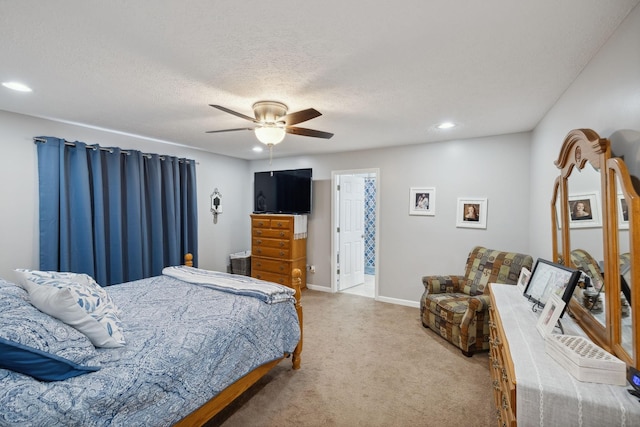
368,363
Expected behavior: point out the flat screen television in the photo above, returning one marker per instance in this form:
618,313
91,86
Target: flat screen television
283,191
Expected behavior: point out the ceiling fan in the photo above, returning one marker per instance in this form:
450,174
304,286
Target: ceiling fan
272,122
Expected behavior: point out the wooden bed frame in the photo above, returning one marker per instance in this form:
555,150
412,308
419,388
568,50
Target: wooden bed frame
207,411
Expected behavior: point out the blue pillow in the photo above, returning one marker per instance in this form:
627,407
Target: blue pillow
39,364
38,345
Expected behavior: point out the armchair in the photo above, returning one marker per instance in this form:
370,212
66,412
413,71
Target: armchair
457,308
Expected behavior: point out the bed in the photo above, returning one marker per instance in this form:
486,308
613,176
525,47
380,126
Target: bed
195,340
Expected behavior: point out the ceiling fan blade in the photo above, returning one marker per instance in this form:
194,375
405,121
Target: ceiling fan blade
228,130
308,132
301,116
235,113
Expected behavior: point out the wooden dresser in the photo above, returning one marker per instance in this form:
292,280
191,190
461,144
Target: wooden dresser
530,387
275,250
503,377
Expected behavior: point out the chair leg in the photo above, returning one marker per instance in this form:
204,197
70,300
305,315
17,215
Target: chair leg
468,353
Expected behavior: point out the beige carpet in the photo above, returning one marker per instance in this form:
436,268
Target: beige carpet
368,363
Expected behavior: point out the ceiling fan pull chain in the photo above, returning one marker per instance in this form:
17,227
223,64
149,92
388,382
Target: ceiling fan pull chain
270,156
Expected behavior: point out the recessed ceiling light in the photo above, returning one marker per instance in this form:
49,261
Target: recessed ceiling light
17,86
446,125
257,149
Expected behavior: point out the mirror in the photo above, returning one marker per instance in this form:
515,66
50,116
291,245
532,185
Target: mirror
582,156
624,211
585,237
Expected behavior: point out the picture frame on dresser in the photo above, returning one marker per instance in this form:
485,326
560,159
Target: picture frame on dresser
549,278
550,314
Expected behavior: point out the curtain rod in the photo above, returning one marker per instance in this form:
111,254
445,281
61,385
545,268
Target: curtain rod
96,147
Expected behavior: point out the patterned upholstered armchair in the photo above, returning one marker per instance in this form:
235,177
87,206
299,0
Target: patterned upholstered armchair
456,307
583,261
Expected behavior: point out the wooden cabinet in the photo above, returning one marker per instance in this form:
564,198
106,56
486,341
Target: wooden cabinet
276,250
501,367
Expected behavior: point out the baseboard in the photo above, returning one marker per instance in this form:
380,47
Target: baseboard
415,304
318,288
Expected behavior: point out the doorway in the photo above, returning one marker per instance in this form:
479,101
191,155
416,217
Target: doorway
354,240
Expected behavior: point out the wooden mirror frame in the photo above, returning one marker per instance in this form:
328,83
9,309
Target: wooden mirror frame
617,173
582,147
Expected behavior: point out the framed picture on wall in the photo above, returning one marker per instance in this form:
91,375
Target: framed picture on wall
584,210
422,201
471,213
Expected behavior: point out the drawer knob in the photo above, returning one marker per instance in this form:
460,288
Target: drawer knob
258,264
282,234
281,253
279,224
282,268
259,232
259,242
281,244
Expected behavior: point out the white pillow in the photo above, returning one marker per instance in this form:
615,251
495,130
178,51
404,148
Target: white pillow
78,301
96,293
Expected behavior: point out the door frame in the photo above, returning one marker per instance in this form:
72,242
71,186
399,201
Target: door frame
334,223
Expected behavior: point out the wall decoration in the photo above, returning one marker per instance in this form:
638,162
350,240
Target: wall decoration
472,213
550,315
584,210
422,201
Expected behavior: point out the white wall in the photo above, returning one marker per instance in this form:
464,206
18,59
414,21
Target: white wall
605,98
413,246
19,245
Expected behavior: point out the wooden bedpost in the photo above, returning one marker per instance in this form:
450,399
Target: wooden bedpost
188,260
296,284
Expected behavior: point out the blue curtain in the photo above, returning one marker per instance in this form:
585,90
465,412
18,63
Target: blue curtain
113,214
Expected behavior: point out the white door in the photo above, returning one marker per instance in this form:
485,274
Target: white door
351,231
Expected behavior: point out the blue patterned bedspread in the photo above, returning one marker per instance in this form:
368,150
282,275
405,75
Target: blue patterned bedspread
185,343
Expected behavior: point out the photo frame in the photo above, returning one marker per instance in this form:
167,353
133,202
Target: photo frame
623,213
523,279
547,279
422,201
471,213
549,317
584,210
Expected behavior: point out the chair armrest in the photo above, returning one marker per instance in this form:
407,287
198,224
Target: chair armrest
479,303
442,284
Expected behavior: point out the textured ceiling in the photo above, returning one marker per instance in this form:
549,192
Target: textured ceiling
382,73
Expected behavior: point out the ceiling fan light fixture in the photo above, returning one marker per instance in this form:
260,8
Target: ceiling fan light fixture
270,135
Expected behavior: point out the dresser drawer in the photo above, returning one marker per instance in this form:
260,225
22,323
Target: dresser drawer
282,279
271,252
271,233
270,243
284,223
270,265
263,222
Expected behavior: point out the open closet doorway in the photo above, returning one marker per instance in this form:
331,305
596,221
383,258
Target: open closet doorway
354,239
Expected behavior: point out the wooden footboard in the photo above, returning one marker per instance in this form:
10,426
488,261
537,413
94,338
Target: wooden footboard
207,411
